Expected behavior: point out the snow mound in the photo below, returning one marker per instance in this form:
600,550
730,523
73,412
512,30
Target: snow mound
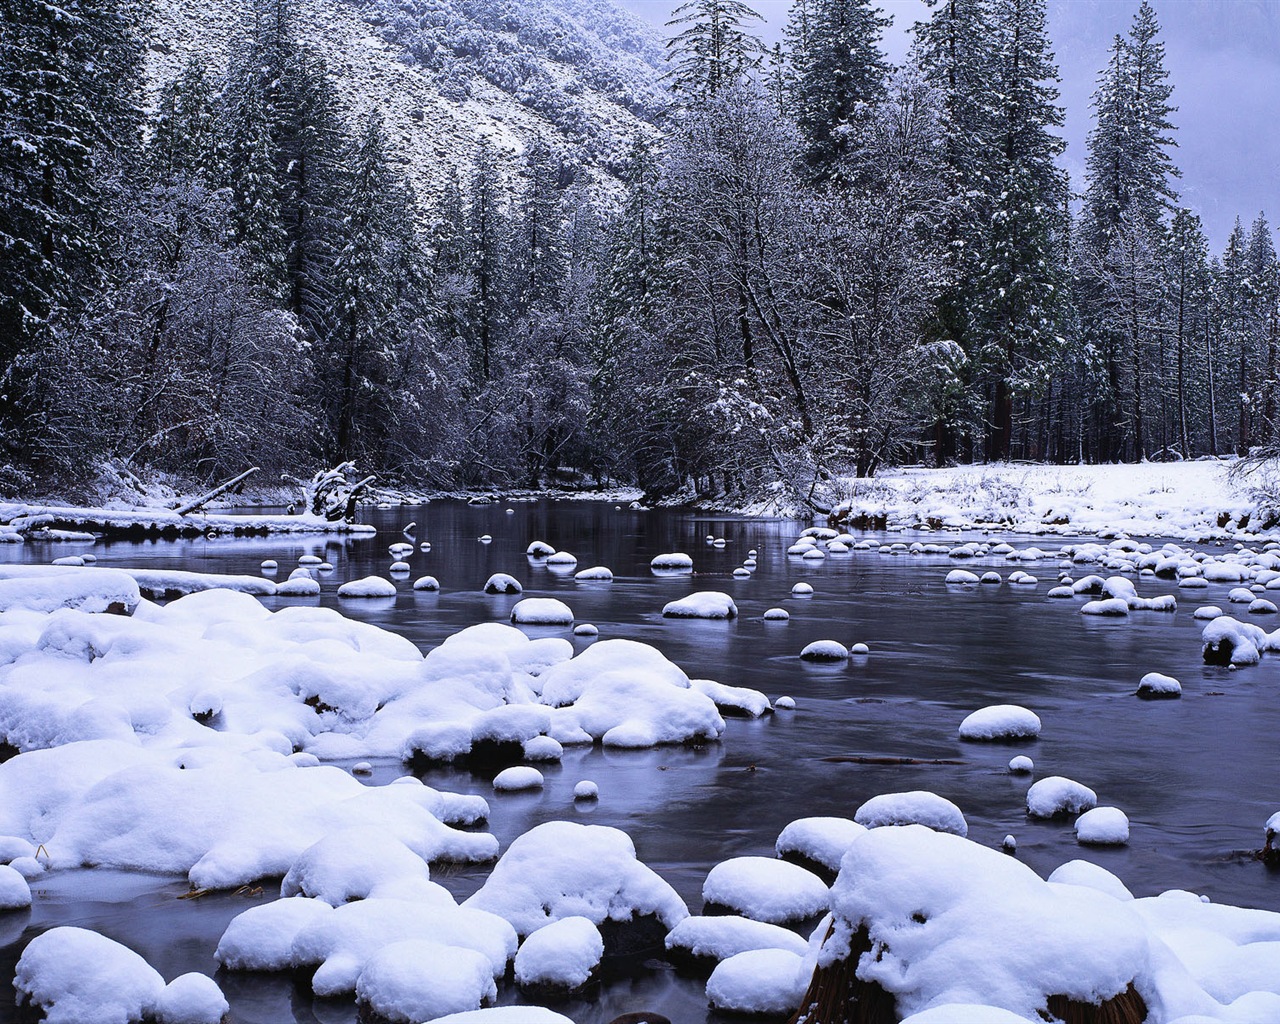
759,981
596,572
961,576
562,869
501,583
1155,686
1103,826
1086,873
969,1013
1055,795
802,589
540,549
708,604
717,938
15,893
417,979
426,583
776,615
261,938
1208,611
818,841
75,975
97,590
342,943
1021,765
1227,641
672,561
340,868
370,586
825,650
1110,606
764,889
563,558
541,611
505,1015
563,955
949,921
916,807
517,778
1000,722
191,999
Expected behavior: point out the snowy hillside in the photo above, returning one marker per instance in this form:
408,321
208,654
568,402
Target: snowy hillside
582,76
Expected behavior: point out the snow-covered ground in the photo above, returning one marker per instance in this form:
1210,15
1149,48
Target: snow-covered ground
1200,499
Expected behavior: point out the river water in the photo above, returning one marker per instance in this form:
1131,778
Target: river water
1195,776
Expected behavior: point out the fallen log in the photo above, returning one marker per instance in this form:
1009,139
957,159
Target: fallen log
192,506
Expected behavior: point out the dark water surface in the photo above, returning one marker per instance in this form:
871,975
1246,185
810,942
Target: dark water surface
1196,776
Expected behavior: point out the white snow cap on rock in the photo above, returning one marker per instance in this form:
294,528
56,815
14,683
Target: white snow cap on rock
724,935
370,586
517,778
675,561
916,807
1056,795
1000,722
502,583
563,954
708,604
541,611
1103,826
75,975
504,1015
821,840
764,889
759,981
417,979
191,999
825,650
561,869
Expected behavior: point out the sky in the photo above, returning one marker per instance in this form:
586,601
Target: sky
1223,58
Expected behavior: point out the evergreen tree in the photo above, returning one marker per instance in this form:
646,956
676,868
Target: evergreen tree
842,75
486,238
713,50
1018,307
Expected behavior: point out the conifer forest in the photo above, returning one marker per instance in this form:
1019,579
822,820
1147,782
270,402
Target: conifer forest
800,261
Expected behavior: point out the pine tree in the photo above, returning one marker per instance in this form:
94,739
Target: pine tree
486,237
1018,306
1189,297
1260,330
842,75
713,51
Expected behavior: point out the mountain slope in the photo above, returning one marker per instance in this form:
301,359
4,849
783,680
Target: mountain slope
581,75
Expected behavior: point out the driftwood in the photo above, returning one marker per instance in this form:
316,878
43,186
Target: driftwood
327,494
191,506
878,759
836,995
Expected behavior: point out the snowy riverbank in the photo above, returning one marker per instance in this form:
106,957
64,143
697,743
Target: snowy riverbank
1186,499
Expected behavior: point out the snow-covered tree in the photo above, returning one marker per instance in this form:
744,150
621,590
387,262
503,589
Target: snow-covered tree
712,49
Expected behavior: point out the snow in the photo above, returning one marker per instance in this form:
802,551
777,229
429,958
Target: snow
1083,872
942,914
733,699
822,840
339,867
517,778
191,999
1103,826
764,889
342,943
1208,611
541,611
540,549
675,561
501,583
261,938
802,589
1056,795
418,979
369,586
563,954
1226,640
710,604
825,650
776,615
563,558
1000,722
1021,765
759,981
23,517
1154,685
968,1013
46,590
426,583
961,576
726,935
596,572
562,869
859,649
918,807
15,893
586,629
76,975
586,790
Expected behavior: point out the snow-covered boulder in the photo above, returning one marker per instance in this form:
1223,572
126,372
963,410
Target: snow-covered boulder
825,650
418,979
758,982
562,869
764,889
74,975
1055,796
916,807
370,586
1156,686
1227,641
1001,722
559,958
192,998
672,562
1103,826
339,869
708,604
961,576
597,573
541,611
502,583
697,944
817,844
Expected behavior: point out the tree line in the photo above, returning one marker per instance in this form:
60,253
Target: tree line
823,265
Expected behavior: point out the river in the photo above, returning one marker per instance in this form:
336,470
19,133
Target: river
1195,776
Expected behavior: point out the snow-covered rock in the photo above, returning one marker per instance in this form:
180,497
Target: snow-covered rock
916,807
1155,686
758,981
560,957
1103,826
825,650
709,604
369,586
75,975
1055,795
502,583
764,889
1001,722
541,611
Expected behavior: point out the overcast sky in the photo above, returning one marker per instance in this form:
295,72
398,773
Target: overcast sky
1223,58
